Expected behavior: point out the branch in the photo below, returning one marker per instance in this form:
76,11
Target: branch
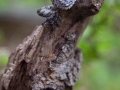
49,59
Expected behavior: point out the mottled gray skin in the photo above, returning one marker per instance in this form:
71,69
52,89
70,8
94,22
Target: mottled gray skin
63,4
51,11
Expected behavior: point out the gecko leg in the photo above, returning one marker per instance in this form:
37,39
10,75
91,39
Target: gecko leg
52,16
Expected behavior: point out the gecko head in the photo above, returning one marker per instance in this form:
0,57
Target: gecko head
63,4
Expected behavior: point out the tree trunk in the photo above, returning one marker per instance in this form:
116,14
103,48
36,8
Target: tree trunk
49,59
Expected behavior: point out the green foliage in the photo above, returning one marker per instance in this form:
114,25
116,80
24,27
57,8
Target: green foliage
97,75
5,3
3,59
102,34
101,49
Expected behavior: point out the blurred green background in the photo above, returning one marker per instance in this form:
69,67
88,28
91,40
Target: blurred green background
100,42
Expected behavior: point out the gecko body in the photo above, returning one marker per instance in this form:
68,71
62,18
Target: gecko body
51,11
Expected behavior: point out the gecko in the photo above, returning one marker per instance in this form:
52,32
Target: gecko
50,12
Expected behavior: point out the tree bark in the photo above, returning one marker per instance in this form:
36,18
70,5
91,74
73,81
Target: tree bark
49,59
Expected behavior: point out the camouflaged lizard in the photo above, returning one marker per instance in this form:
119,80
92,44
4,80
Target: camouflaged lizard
51,11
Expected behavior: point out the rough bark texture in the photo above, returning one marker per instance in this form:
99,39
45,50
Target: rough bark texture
50,60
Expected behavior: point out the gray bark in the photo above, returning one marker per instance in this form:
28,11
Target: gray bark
50,60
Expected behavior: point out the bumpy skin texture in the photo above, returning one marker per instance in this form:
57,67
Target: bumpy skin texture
51,11
46,11
63,4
